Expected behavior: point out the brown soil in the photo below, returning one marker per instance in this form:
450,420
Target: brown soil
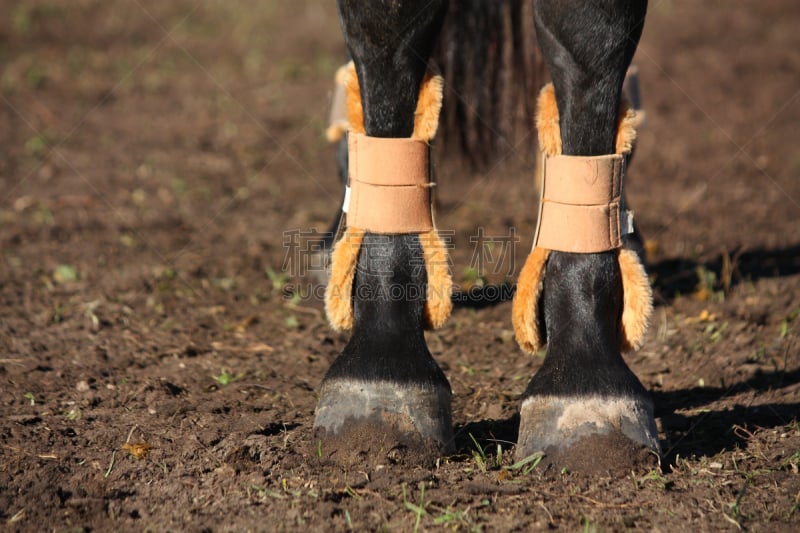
370,446
153,153
613,454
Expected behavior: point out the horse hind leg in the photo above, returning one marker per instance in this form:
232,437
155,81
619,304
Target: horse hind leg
384,392
584,407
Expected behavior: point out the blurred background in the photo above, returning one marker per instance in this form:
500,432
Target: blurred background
154,154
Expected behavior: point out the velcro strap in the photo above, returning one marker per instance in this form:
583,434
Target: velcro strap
579,180
389,184
581,204
579,228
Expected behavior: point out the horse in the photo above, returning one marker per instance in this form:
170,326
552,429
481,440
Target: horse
583,293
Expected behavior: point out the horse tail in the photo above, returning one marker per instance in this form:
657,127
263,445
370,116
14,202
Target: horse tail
492,69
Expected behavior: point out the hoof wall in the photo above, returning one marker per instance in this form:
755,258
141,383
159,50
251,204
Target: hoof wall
382,423
590,435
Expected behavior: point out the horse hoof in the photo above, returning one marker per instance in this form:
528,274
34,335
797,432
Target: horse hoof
589,434
383,422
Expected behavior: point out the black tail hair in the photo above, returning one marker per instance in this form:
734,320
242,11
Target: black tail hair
492,69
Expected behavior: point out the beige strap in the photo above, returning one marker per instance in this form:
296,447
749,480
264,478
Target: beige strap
389,188
580,204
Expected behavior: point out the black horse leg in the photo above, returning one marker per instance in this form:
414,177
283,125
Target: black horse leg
585,407
385,389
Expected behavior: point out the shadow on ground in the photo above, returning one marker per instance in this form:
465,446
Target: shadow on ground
674,277
705,432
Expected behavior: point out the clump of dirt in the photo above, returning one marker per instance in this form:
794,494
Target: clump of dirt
612,454
373,445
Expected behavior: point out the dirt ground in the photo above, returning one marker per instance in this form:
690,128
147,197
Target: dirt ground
152,157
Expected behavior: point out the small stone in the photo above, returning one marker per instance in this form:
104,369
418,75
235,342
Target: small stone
82,386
